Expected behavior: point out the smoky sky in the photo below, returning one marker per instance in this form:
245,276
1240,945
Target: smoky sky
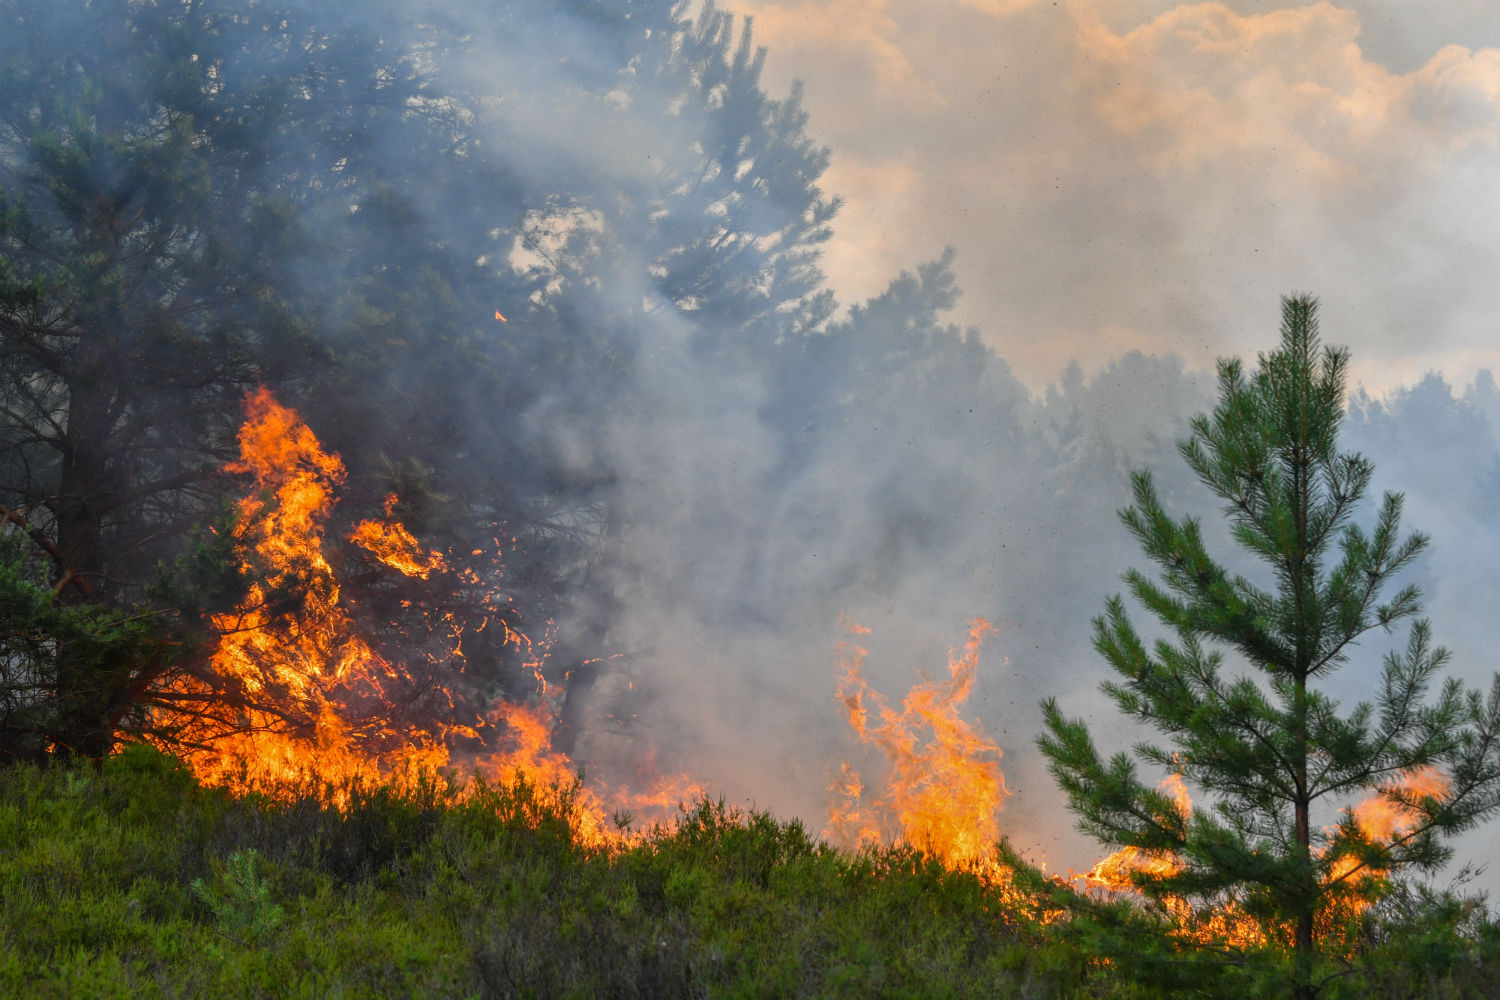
1147,174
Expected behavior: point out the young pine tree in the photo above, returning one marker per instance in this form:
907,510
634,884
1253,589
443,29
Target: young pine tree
1278,759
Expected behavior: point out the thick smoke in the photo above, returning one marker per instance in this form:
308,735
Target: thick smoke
1148,173
747,473
896,473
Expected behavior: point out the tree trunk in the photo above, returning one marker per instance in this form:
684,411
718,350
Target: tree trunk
1303,943
84,685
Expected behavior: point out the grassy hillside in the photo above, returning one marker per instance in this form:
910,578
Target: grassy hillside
135,881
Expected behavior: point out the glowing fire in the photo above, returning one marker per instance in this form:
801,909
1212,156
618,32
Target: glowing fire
1114,872
1381,818
295,692
945,787
394,546
298,693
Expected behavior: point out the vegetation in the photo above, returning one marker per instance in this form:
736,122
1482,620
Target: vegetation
1257,734
134,881
546,272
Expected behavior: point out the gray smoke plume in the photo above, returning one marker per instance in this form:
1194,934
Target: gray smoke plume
721,466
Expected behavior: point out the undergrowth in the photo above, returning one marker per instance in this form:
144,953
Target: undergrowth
134,881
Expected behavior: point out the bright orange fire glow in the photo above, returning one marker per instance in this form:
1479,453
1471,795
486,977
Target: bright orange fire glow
1383,820
1114,872
945,788
291,645
394,546
1379,818
296,678
299,694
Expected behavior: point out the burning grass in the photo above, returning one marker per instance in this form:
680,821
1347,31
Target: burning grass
137,880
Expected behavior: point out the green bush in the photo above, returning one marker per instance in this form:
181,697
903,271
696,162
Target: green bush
135,881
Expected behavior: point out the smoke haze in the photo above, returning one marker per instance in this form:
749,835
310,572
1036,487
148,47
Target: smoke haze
1147,175
757,456
934,473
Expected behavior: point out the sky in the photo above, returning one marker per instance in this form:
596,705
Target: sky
1143,174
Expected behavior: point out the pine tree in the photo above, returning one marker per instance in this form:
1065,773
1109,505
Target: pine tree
1237,685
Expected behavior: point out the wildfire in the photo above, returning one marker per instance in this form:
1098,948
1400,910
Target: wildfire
394,546
296,692
304,695
945,787
1381,818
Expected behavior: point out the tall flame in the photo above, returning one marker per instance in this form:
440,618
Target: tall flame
290,646
945,786
303,694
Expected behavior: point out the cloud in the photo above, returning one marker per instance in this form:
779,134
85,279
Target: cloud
1165,168
860,44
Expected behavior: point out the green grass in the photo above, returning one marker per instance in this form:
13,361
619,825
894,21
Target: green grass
134,881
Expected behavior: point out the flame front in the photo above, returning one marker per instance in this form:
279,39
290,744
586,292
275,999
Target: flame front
294,691
945,786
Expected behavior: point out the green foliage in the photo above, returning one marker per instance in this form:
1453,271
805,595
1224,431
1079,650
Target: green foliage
1273,754
239,899
121,881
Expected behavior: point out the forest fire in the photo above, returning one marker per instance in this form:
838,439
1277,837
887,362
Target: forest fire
309,691
944,792
302,680
309,695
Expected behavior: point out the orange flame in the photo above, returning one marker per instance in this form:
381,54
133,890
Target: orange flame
295,681
1380,817
394,546
1113,873
290,645
944,792
1383,819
